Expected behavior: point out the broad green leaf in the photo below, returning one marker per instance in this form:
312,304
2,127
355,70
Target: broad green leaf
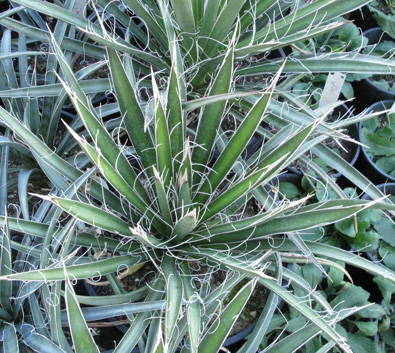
361,344
368,328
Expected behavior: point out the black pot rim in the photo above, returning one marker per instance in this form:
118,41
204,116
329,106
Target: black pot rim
369,80
374,108
381,187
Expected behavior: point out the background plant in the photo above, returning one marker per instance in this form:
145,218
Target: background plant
383,12
379,135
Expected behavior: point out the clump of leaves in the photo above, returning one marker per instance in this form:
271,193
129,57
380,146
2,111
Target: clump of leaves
384,13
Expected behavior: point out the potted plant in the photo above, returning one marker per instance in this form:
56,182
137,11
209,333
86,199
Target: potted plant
176,210
377,134
377,87
383,12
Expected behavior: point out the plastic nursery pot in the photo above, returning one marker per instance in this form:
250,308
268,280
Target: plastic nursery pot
368,91
370,169
363,18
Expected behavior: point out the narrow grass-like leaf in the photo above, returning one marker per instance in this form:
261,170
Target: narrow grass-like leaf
87,86
209,17
222,26
55,161
307,16
116,180
175,118
140,323
10,339
278,157
37,314
307,312
211,118
174,291
49,122
87,270
219,330
260,329
91,215
295,222
124,19
5,154
97,131
35,341
319,249
131,111
82,338
155,27
91,29
104,300
162,198
305,334
162,139
193,307
5,267
334,62
154,342
236,145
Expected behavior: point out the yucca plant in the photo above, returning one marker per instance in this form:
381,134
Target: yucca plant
177,209
195,32
173,211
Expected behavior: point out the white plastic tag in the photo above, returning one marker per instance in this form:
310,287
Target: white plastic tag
332,89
